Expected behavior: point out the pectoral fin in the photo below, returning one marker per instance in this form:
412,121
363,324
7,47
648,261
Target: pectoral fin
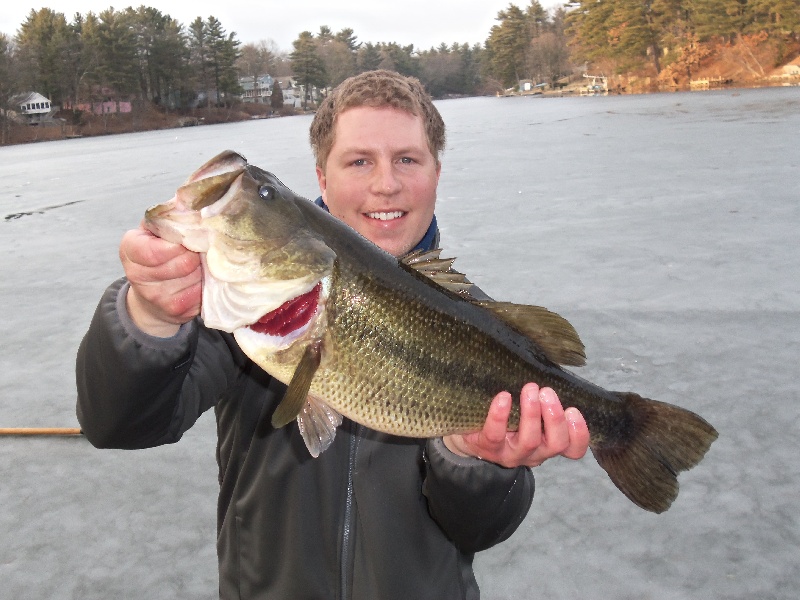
297,392
555,335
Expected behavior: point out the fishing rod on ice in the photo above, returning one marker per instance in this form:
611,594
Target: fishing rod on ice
40,431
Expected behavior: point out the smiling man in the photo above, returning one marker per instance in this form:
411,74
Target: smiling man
375,515
380,176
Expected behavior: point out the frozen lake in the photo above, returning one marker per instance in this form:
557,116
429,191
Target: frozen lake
664,227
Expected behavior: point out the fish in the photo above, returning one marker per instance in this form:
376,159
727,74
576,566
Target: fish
405,346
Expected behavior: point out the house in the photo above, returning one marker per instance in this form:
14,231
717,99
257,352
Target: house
33,107
259,90
293,93
101,108
256,90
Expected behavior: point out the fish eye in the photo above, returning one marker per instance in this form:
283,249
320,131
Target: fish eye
267,192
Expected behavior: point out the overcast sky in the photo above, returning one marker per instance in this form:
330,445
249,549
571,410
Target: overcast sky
424,23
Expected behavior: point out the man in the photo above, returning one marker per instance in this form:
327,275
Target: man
375,516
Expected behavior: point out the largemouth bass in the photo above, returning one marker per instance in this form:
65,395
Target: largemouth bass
398,345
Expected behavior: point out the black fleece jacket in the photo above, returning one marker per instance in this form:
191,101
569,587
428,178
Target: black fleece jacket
373,517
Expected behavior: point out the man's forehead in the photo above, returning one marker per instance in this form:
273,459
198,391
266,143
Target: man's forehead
352,114
358,124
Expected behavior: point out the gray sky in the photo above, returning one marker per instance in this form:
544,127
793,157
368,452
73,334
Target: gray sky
424,23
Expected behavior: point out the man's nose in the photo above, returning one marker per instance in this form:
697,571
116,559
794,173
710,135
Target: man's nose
386,180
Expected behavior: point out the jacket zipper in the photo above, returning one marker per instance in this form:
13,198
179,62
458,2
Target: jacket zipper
347,528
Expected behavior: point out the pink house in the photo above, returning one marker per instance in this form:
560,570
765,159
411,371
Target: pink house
101,108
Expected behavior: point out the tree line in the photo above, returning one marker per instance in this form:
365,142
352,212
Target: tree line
636,34
133,53
147,56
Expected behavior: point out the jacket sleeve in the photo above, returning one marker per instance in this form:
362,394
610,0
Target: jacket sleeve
476,503
139,391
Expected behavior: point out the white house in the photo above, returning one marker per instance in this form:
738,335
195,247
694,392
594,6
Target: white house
33,107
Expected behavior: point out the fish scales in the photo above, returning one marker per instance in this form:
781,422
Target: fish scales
395,347
398,346
377,343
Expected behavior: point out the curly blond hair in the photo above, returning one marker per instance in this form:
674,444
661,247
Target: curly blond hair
377,89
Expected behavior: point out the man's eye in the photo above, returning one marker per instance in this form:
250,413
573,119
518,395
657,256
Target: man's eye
359,162
407,160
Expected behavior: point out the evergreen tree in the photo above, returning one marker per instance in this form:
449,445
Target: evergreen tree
635,30
401,59
115,63
276,99
369,57
199,57
338,53
223,51
348,38
587,28
42,41
507,46
8,84
308,66
440,71
160,49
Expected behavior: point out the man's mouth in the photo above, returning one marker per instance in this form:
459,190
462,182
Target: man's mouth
386,216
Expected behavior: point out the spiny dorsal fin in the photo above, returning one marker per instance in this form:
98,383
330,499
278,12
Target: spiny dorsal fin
439,270
295,397
555,335
552,333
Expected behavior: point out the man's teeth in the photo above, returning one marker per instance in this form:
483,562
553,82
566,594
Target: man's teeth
386,216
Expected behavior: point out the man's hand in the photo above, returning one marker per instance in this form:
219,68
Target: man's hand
545,430
166,282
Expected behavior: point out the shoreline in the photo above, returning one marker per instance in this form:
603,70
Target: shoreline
152,119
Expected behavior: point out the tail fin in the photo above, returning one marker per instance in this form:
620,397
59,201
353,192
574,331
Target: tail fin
665,440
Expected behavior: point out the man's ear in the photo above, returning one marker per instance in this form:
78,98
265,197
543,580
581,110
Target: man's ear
322,180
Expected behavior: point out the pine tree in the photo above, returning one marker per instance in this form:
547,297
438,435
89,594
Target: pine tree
307,64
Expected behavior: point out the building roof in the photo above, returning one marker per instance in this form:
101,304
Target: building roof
27,98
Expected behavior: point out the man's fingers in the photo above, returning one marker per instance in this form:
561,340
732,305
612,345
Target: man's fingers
148,259
578,434
496,426
141,247
529,434
556,432
545,430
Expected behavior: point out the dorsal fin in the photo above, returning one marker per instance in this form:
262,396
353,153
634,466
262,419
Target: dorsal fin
552,333
439,270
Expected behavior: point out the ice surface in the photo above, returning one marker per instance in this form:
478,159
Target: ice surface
664,227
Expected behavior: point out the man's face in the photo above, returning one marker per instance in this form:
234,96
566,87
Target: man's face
380,176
